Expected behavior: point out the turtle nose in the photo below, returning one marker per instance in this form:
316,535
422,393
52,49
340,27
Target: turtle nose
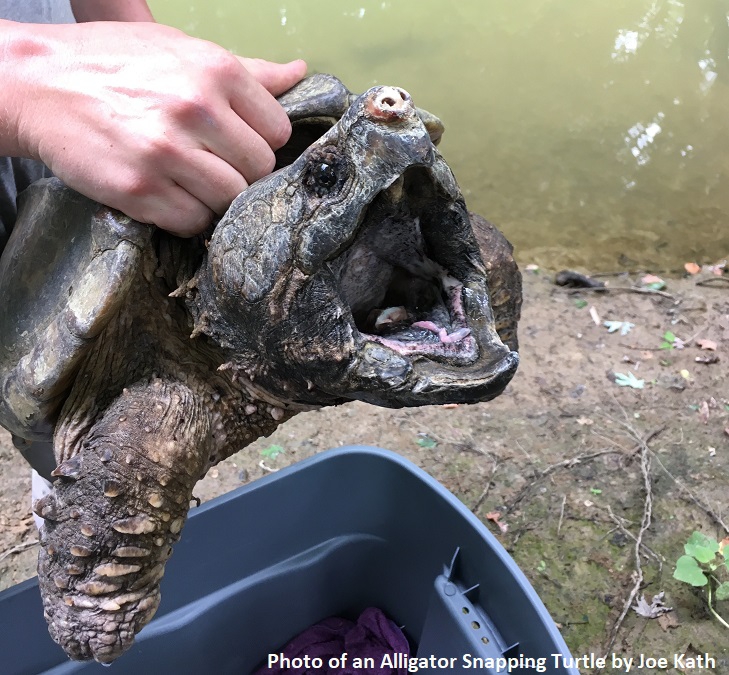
389,104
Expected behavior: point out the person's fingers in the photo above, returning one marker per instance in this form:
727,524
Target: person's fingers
209,178
232,139
171,208
178,212
260,110
275,77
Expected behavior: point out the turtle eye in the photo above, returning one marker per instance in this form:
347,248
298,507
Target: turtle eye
323,176
326,176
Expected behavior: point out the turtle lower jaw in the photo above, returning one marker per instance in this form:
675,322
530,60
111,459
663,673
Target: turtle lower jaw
448,338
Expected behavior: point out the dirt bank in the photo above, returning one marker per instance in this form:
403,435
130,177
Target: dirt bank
562,456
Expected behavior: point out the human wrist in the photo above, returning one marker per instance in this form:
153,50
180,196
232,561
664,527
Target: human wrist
20,49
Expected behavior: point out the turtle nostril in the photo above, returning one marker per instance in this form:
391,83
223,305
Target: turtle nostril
389,104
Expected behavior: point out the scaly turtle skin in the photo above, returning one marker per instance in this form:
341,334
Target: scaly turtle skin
351,273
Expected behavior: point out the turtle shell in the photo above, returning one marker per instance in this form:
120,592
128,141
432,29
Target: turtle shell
64,274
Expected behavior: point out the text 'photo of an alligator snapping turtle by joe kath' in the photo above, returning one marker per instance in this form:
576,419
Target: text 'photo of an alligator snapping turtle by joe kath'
353,272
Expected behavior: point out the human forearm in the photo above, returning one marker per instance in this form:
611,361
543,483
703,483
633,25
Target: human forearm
111,10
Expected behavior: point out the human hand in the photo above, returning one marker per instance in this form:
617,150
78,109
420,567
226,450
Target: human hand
164,127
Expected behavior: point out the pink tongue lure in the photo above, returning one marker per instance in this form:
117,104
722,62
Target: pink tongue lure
442,333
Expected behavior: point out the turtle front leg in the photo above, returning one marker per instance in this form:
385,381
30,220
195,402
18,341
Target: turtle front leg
116,508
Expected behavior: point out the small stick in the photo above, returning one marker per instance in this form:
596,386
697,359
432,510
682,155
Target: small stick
621,289
695,500
714,281
645,468
19,548
561,514
485,492
565,463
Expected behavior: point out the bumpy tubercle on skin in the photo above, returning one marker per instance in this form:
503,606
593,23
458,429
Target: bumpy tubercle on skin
125,477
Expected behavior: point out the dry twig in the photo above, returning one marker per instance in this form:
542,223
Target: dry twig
561,514
485,492
693,498
18,549
645,468
621,289
564,464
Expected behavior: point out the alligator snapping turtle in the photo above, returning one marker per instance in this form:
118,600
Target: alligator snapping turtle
351,273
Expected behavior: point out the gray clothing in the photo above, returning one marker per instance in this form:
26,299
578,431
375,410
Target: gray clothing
37,11
16,174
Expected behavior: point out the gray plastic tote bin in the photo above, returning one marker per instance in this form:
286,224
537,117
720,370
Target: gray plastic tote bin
344,530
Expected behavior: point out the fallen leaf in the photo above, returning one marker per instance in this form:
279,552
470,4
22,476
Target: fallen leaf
615,326
272,451
653,282
668,620
717,269
425,441
692,268
650,279
629,380
494,516
707,344
651,610
704,412
584,421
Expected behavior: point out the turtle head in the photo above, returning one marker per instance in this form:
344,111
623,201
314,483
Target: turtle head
354,273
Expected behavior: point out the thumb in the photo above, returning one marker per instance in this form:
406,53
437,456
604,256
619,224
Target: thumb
275,77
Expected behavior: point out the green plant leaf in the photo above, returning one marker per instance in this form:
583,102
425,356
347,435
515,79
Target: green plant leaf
669,338
701,547
541,566
426,442
596,491
722,592
688,571
272,451
580,303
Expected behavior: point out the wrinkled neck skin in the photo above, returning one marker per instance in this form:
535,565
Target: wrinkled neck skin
145,346
150,411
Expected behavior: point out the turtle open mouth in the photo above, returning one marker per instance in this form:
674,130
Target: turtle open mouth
395,278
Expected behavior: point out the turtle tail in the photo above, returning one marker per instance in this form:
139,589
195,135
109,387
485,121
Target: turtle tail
116,509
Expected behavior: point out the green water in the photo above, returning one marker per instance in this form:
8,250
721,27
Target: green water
593,132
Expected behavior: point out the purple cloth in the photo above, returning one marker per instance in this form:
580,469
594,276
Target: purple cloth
372,636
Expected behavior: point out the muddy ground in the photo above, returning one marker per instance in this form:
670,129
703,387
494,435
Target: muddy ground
560,456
